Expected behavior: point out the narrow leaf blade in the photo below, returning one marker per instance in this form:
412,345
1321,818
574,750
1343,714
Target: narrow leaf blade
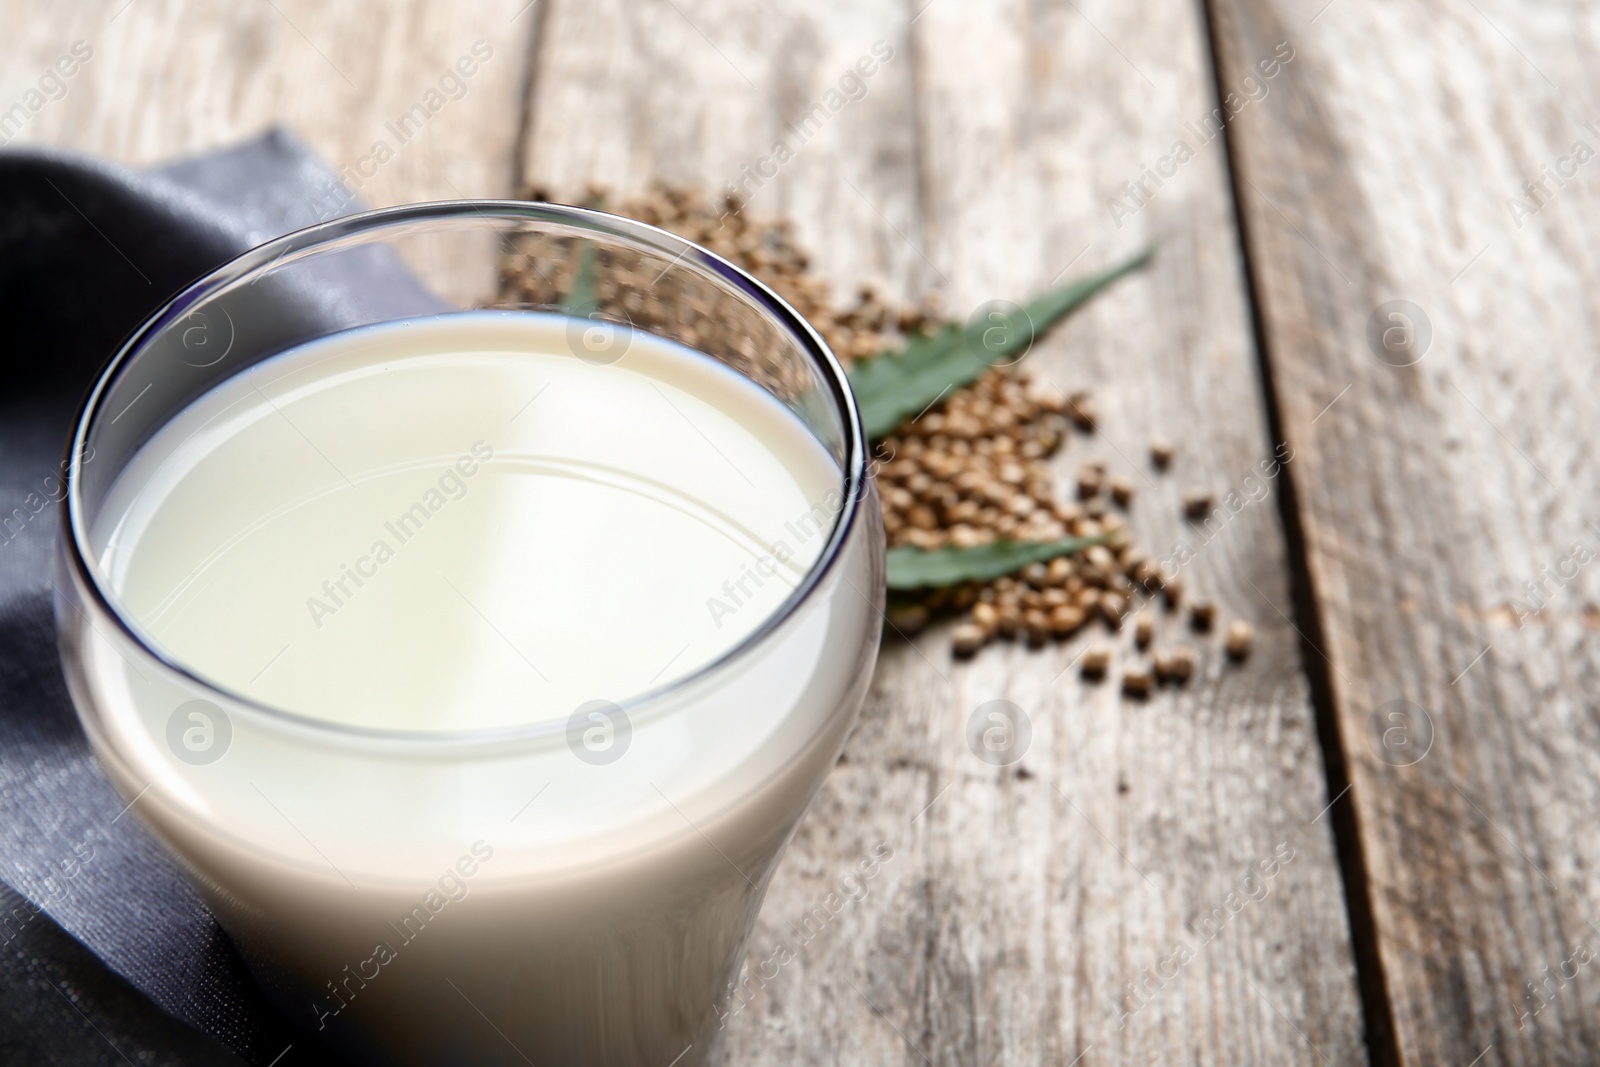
1048,308
916,568
584,298
895,385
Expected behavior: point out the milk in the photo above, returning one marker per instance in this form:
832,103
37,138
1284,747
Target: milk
508,710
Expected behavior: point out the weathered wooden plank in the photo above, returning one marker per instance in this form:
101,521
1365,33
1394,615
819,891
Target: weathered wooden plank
1019,903
408,101
166,77
1447,503
628,92
1035,115
702,93
144,81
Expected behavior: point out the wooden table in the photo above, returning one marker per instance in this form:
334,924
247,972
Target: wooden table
1414,748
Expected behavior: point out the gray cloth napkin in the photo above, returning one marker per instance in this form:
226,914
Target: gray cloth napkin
88,249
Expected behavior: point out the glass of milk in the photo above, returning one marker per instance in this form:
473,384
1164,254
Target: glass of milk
475,654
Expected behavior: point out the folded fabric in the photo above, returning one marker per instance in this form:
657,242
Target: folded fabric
88,249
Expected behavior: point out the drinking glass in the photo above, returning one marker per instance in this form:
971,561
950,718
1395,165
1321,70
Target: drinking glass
522,894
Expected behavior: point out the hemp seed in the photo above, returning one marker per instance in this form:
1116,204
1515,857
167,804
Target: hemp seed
1081,410
1239,637
1010,622
1161,453
1197,504
1138,681
1202,613
1096,661
1182,664
966,639
1066,620
971,470
1112,608
909,619
1089,482
1144,630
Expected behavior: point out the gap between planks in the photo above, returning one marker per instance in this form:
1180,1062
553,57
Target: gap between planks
1383,1048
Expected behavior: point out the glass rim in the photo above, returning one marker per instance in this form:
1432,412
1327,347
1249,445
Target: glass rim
79,556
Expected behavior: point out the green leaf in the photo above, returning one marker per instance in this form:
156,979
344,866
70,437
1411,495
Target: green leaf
895,385
916,568
584,298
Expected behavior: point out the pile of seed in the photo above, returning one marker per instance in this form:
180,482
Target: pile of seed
766,248
971,470
975,469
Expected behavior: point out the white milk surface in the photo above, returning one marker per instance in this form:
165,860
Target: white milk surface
398,541
454,524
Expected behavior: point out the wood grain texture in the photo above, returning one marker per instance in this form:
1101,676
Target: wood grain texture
1020,903
169,77
976,914
702,92
1447,505
375,88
